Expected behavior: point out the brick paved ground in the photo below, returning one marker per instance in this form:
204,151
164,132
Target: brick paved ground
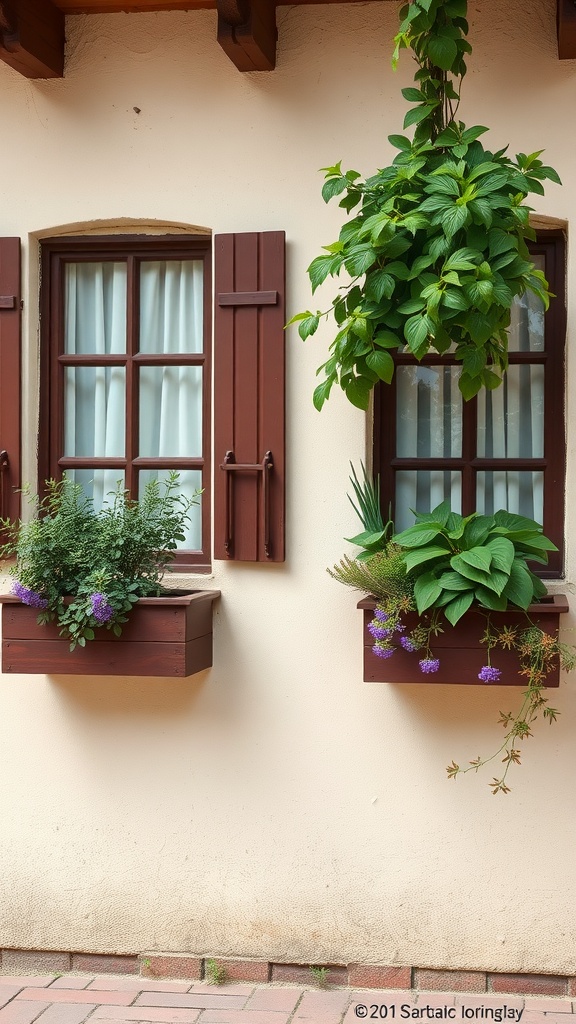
75,999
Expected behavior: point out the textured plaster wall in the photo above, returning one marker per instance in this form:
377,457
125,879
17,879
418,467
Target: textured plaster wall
276,806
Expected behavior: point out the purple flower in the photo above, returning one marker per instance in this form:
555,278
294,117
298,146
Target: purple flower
429,665
27,596
400,628
378,632
407,643
488,674
383,652
380,615
101,610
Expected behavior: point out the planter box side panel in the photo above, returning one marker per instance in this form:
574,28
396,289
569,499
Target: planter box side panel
132,658
161,638
460,651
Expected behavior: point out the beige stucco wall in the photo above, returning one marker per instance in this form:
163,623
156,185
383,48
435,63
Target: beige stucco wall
276,806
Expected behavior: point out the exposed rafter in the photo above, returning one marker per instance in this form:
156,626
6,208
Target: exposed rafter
247,33
566,17
32,37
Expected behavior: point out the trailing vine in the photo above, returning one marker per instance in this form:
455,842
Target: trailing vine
437,252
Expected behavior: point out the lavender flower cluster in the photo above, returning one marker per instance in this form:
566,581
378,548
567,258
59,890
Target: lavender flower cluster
101,609
28,596
383,628
385,625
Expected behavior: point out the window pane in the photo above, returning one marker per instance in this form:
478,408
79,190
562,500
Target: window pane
527,323
423,489
98,484
517,491
171,306
171,411
429,412
190,481
95,308
94,411
511,418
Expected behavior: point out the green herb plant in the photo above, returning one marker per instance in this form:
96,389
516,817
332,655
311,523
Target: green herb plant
436,252
86,569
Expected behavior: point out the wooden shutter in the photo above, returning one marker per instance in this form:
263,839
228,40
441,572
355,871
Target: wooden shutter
249,405
9,377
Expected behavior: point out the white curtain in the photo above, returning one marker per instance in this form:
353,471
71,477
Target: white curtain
95,396
428,425
170,397
511,422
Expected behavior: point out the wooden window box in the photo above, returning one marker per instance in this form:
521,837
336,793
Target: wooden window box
459,649
164,636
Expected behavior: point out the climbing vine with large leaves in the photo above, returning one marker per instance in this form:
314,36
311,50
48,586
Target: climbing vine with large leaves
437,252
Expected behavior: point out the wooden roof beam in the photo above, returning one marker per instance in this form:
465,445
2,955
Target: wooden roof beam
32,38
247,33
566,21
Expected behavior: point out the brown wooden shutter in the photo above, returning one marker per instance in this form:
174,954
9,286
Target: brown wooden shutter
10,377
249,406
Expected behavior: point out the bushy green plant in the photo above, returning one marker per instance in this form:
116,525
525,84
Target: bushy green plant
474,558
437,253
102,562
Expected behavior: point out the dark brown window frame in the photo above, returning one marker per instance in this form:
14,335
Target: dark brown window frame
551,244
55,253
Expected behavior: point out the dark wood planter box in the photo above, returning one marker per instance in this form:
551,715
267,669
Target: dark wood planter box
164,636
459,649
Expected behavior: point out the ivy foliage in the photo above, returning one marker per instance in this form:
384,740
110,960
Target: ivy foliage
437,251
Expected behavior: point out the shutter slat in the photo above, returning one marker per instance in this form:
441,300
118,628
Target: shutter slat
249,395
10,430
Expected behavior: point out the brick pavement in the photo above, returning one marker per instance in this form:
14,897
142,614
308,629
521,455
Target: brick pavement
131,999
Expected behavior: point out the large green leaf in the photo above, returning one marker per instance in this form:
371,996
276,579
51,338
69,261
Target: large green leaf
442,51
419,555
519,590
426,590
358,392
454,581
366,538
502,551
416,536
382,364
458,606
478,557
487,598
494,580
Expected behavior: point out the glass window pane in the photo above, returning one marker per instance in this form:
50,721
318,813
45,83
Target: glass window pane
517,491
171,306
429,412
190,481
511,418
95,308
98,484
94,411
527,319
423,489
171,411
